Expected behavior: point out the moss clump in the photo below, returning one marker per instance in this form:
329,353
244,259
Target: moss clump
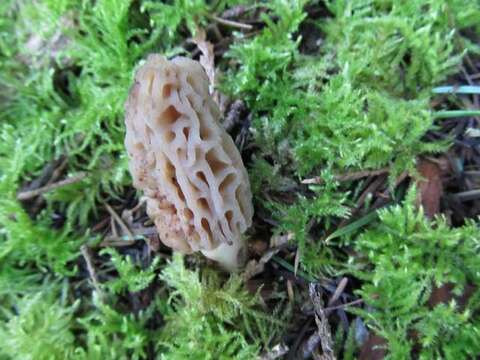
207,320
40,329
404,258
362,101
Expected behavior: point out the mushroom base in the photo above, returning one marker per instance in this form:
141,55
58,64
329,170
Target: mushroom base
230,257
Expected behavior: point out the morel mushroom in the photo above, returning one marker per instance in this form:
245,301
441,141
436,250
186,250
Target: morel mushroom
197,189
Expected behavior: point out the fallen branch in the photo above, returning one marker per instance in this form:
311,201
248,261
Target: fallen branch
348,177
344,305
322,323
231,23
25,195
338,291
119,221
91,270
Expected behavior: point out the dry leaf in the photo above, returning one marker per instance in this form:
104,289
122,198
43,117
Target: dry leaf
255,267
430,187
374,348
207,59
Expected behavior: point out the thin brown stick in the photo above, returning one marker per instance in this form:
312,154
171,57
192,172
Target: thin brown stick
142,201
348,177
231,23
100,225
113,227
116,242
119,220
58,171
361,174
25,195
91,270
467,195
342,306
322,323
56,174
138,234
338,291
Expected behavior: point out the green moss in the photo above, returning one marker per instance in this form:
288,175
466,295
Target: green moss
41,329
108,333
361,102
374,109
208,320
130,277
296,220
359,128
402,259
399,48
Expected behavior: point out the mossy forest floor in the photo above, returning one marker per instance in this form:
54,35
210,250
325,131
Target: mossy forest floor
359,124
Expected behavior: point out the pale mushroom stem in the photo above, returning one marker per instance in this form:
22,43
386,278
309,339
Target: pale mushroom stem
230,257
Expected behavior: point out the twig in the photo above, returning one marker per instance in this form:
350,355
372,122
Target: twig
467,195
44,177
231,23
296,262
216,32
58,171
475,76
91,270
142,201
300,336
277,351
310,345
322,323
290,292
348,177
290,268
386,194
54,176
342,306
25,195
329,309
447,114
119,220
338,291
100,225
361,174
117,242
113,227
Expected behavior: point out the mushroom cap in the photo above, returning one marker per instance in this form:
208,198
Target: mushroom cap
192,175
